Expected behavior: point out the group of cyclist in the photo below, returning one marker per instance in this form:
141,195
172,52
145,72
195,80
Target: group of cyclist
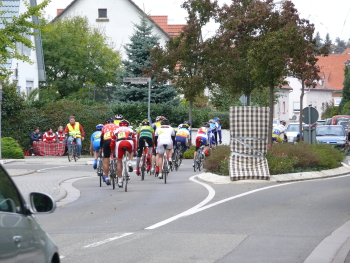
116,133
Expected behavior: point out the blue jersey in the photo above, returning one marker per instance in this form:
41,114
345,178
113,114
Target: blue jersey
96,140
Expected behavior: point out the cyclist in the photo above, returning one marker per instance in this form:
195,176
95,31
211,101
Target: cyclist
106,137
156,125
212,130
74,128
145,132
123,136
218,130
202,134
183,136
118,118
278,132
95,144
165,134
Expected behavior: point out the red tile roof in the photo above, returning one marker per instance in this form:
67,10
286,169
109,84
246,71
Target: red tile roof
172,30
332,69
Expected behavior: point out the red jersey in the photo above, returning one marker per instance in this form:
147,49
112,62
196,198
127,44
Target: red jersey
107,131
122,133
60,136
49,137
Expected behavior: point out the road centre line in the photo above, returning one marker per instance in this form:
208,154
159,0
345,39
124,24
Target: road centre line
51,168
191,210
107,240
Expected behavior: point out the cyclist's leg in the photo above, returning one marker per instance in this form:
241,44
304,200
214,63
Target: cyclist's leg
106,156
69,142
198,144
78,142
130,145
139,154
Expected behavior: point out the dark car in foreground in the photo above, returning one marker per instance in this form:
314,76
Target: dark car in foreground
331,134
21,237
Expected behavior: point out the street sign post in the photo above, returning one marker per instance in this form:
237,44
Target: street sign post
139,80
309,116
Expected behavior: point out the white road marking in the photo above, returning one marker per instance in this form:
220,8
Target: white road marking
191,210
108,240
51,168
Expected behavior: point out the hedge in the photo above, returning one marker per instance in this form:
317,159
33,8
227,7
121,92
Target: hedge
223,116
55,114
11,149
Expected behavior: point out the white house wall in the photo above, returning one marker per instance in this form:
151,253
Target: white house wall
26,72
122,16
281,108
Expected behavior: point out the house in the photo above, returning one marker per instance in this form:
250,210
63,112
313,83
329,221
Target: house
116,17
173,30
25,74
328,88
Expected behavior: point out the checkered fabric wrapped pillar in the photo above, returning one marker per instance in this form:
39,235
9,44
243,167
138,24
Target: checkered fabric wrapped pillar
249,134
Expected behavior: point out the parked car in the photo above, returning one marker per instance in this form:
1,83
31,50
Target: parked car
320,122
21,237
338,118
292,132
328,121
331,134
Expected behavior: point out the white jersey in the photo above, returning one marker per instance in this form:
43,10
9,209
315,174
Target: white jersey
164,133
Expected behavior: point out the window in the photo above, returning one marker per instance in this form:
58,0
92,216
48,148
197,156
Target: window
29,87
9,198
296,106
102,13
284,107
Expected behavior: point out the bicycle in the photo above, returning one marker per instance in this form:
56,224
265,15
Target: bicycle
177,156
100,168
125,172
143,160
112,171
73,150
199,161
166,167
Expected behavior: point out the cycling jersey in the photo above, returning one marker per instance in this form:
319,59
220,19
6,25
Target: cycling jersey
96,140
202,134
122,137
107,131
165,134
145,131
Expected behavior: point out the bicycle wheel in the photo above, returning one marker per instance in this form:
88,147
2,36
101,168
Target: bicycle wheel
75,152
70,153
196,160
165,169
143,168
112,173
100,171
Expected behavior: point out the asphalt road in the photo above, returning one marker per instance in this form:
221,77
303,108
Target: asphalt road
190,221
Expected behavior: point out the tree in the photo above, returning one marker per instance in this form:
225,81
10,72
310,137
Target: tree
346,91
328,42
319,40
183,59
78,56
139,58
15,30
340,46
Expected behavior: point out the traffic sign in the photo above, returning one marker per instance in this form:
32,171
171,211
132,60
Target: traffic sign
136,80
309,115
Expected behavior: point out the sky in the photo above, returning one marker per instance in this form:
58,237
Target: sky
329,16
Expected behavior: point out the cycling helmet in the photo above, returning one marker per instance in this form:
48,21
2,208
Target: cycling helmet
159,118
206,124
283,122
109,120
216,119
211,121
187,122
118,117
99,127
165,122
145,122
185,125
124,123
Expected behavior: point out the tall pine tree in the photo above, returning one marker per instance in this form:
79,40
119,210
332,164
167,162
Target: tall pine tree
139,58
328,42
346,91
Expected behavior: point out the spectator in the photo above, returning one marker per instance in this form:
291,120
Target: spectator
35,136
61,136
75,129
49,136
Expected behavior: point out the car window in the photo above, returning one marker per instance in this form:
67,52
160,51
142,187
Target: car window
293,128
10,200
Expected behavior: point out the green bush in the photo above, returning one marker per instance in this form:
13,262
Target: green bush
223,116
189,153
11,149
218,161
283,158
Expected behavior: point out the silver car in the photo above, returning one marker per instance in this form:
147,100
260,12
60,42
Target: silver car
21,237
331,134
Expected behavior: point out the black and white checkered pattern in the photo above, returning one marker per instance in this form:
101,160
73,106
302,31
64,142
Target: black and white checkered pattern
249,134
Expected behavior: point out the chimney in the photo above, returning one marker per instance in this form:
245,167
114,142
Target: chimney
59,11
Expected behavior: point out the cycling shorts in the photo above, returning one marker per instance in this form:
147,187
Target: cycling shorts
106,148
198,143
160,147
142,144
119,152
96,145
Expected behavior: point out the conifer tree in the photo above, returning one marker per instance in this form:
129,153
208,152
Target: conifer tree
139,58
346,90
328,42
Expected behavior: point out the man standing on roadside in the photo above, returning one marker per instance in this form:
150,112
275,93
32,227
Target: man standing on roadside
74,130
